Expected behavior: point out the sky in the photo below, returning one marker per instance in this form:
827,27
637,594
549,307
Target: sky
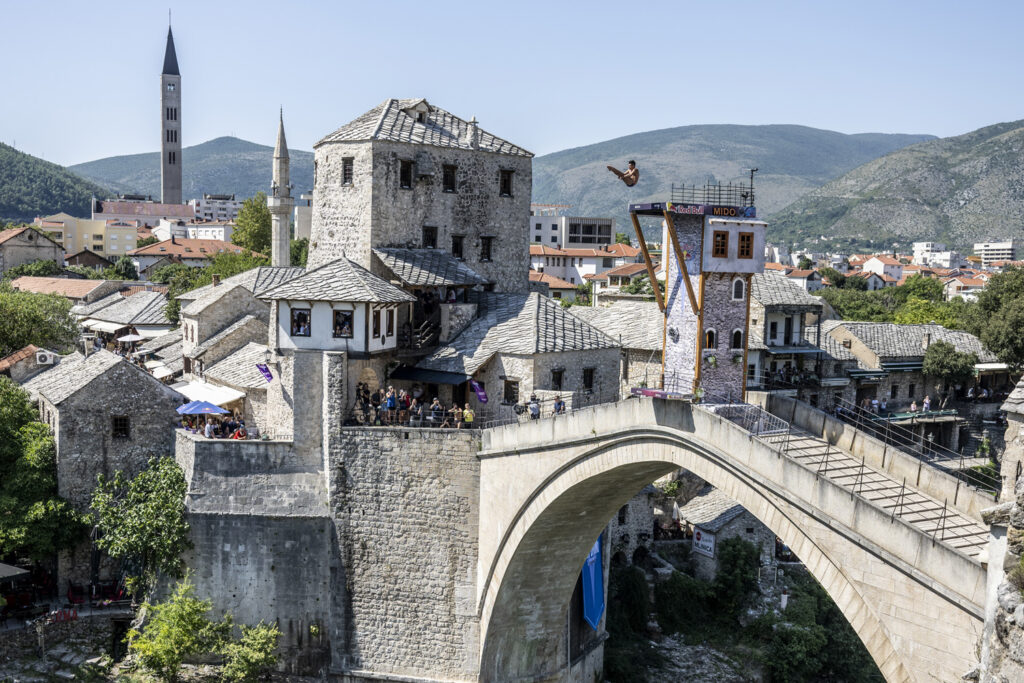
80,80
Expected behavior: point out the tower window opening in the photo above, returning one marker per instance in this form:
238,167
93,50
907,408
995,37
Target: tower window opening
346,170
737,289
710,340
448,178
405,175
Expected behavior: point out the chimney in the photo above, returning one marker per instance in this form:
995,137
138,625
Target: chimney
216,279
847,344
926,341
173,241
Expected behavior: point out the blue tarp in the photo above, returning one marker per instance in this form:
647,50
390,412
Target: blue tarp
593,586
201,408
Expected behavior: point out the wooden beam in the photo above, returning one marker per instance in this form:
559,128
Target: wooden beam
682,262
647,260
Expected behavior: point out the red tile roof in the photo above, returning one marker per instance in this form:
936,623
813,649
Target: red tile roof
801,273
625,269
21,354
188,248
610,250
9,233
66,287
551,281
777,266
887,260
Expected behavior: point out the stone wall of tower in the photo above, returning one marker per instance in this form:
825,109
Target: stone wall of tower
682,321
375,211
723,377
170,139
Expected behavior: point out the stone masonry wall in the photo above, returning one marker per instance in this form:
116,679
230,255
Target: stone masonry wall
745,526
1013,454
724,315
406,509
633,526
681,334
1002,644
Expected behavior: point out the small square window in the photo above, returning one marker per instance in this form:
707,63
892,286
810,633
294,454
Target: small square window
505,183
511,391
554,239
346,170
746,246
342,325
457,241
485,248
607,263
556,376
121,427
448,177
405,175
429,237
720,244
588,378
300,322
536,238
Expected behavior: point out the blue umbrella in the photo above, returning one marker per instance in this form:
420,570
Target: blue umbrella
186,406
201,408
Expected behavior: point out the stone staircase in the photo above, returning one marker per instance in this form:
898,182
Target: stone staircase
931,516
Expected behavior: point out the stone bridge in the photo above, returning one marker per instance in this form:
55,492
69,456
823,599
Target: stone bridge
914,596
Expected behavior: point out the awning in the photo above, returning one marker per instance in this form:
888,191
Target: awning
162,372
211,393
991,367
11,572
103,326
782,350
428,376
153,332
150,364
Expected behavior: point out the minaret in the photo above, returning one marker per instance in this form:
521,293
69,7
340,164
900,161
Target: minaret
170,128
280,202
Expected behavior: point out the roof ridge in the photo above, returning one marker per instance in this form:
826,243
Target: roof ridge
386,107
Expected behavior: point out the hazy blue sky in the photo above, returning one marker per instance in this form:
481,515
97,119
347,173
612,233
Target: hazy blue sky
80,80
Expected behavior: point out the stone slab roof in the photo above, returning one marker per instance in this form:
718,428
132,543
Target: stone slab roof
427,268
340,280
770,289
523,324
143,308
161,342
889,340
639,324
70,375
210,296
832,347
258,328
710,510
393,121
256,280
239,368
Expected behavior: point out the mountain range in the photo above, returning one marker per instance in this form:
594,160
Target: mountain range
31,187
224,165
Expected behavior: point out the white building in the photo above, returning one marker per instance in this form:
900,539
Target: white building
570,231
965,287
166,229
923,250
776,254
216,207
997,251
577,266
303,216
810,280
885,266
814,256
216,230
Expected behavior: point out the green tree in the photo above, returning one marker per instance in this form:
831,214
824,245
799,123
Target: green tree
142,520
805,263
86,272
998,317
622,238
918,311
181,278
299,252
40,319
942,361
34,269
921,287
124,269
252,227
736,580
253,655
858,283
835,278
34,520
146,241
177,628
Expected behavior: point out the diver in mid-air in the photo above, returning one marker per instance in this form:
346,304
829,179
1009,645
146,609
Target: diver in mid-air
630,176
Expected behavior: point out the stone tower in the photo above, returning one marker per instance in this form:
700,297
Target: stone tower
170,129
280,202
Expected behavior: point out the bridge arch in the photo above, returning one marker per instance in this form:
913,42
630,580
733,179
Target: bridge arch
526,585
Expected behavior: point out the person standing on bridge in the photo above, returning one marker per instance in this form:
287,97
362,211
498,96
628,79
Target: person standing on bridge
534,408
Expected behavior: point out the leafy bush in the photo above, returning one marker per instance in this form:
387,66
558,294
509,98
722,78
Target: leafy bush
628,609
40,319
684,604
249,658
736,580
34,269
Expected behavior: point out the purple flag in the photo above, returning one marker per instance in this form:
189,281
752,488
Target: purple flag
481,395
262,367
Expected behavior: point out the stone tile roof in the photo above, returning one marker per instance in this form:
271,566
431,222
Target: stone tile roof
161,342
339,280
769,289
889,340
1015,401
19,355
66,287
86,310
256,280
239,368
258,327
70,375
144,308
710,510
523,324
639,324
832,347
427,267
209,297
389,121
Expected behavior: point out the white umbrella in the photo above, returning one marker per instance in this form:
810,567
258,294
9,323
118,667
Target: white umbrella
131,338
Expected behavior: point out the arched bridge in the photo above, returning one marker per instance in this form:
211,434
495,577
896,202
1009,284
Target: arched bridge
913,594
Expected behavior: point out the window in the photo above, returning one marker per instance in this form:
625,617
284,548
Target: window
342,325
751,372
429,237
505,183
750,529
538,226
556,377
554,239
457,246
448,177
300,322
346,170
910,391
405,175
121,427
894,391
391,322
556,295
622,514
720,244
607,263
511,391
737,289
171,157
170,87
773,330
536,238
710,340
746,247
485,248
554,226
376,323
588,378
737,339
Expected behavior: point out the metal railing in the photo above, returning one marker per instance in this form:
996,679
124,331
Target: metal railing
714,193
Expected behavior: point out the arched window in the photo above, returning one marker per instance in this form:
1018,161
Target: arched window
738,288
737,339
710,340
